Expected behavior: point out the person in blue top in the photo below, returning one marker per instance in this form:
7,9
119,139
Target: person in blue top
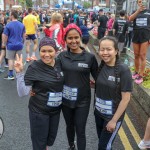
13,38
85,34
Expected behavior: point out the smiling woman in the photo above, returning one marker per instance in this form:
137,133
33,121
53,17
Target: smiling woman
1,127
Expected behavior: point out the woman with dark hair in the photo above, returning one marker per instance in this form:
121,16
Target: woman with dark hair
141,37
45,78
76,64
113,91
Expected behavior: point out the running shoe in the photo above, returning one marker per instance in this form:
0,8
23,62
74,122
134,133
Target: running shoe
28,59
139,80
144,145
9,77
72,148
33,58
1,70
135,75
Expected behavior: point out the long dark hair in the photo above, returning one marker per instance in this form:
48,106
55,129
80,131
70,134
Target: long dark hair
116,69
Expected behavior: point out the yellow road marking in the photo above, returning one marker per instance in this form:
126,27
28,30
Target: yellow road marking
132,129
124,139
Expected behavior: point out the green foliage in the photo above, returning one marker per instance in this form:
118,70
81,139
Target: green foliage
29,3
146,77
22,2
86,5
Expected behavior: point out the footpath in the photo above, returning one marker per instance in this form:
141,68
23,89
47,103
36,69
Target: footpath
140,96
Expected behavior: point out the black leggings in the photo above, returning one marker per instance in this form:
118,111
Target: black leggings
105,137
43,129
76,121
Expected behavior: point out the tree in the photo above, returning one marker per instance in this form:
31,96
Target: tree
86,5
22,2
29,3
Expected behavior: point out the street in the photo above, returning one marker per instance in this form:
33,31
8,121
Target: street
14,112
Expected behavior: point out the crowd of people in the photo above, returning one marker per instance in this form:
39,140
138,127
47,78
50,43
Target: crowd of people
60,79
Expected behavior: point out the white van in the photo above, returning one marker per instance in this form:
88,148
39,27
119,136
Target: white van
1,4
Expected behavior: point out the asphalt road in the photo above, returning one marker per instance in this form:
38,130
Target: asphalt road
14,112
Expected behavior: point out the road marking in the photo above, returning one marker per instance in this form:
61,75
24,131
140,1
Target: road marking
132,129
124,139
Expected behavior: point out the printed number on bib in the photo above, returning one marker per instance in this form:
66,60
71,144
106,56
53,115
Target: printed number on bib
104,106
70,93
55,99
141,22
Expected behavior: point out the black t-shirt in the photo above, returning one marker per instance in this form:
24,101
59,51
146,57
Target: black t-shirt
103,21
77,69
121,27
1,31
142,21
47,83
106,101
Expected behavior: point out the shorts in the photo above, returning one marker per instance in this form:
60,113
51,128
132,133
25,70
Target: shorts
11,54
31,37
141,36
85,39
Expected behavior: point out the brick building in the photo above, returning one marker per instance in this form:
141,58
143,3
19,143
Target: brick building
9,3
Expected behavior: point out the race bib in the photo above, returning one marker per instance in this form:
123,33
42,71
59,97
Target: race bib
141,22
55,99
70,93
104,106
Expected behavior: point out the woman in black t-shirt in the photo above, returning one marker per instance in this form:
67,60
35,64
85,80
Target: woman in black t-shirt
112,95
77,64
45,78
141,37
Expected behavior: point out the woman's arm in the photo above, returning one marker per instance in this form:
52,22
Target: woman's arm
134,15
120,110
22,89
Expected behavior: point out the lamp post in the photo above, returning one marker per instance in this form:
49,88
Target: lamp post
73,5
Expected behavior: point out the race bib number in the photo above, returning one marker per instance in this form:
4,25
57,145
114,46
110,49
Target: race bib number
70,93
104,106
55,99
141,22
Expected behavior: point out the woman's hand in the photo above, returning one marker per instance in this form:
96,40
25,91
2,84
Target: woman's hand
32,93
111,126
18,65
141,8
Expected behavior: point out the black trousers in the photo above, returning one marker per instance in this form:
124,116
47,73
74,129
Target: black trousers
105,137
101,32
76,119
43,129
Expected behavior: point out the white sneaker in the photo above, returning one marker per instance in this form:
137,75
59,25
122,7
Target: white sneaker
144,144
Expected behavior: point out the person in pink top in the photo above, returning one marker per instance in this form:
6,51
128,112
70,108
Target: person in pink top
110,24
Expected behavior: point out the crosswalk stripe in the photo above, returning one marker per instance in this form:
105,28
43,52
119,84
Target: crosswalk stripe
132,129
124,139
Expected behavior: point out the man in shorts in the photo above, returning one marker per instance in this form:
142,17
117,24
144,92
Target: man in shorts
30,23
13,39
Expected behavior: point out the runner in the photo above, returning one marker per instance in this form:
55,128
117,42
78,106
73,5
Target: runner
145,143
77,64
55,30
141,37
31,27
112,96
13,39
46,80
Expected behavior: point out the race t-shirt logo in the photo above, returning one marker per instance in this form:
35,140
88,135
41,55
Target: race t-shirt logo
83,65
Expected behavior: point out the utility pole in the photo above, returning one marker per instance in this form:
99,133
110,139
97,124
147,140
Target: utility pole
73,5
92,3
